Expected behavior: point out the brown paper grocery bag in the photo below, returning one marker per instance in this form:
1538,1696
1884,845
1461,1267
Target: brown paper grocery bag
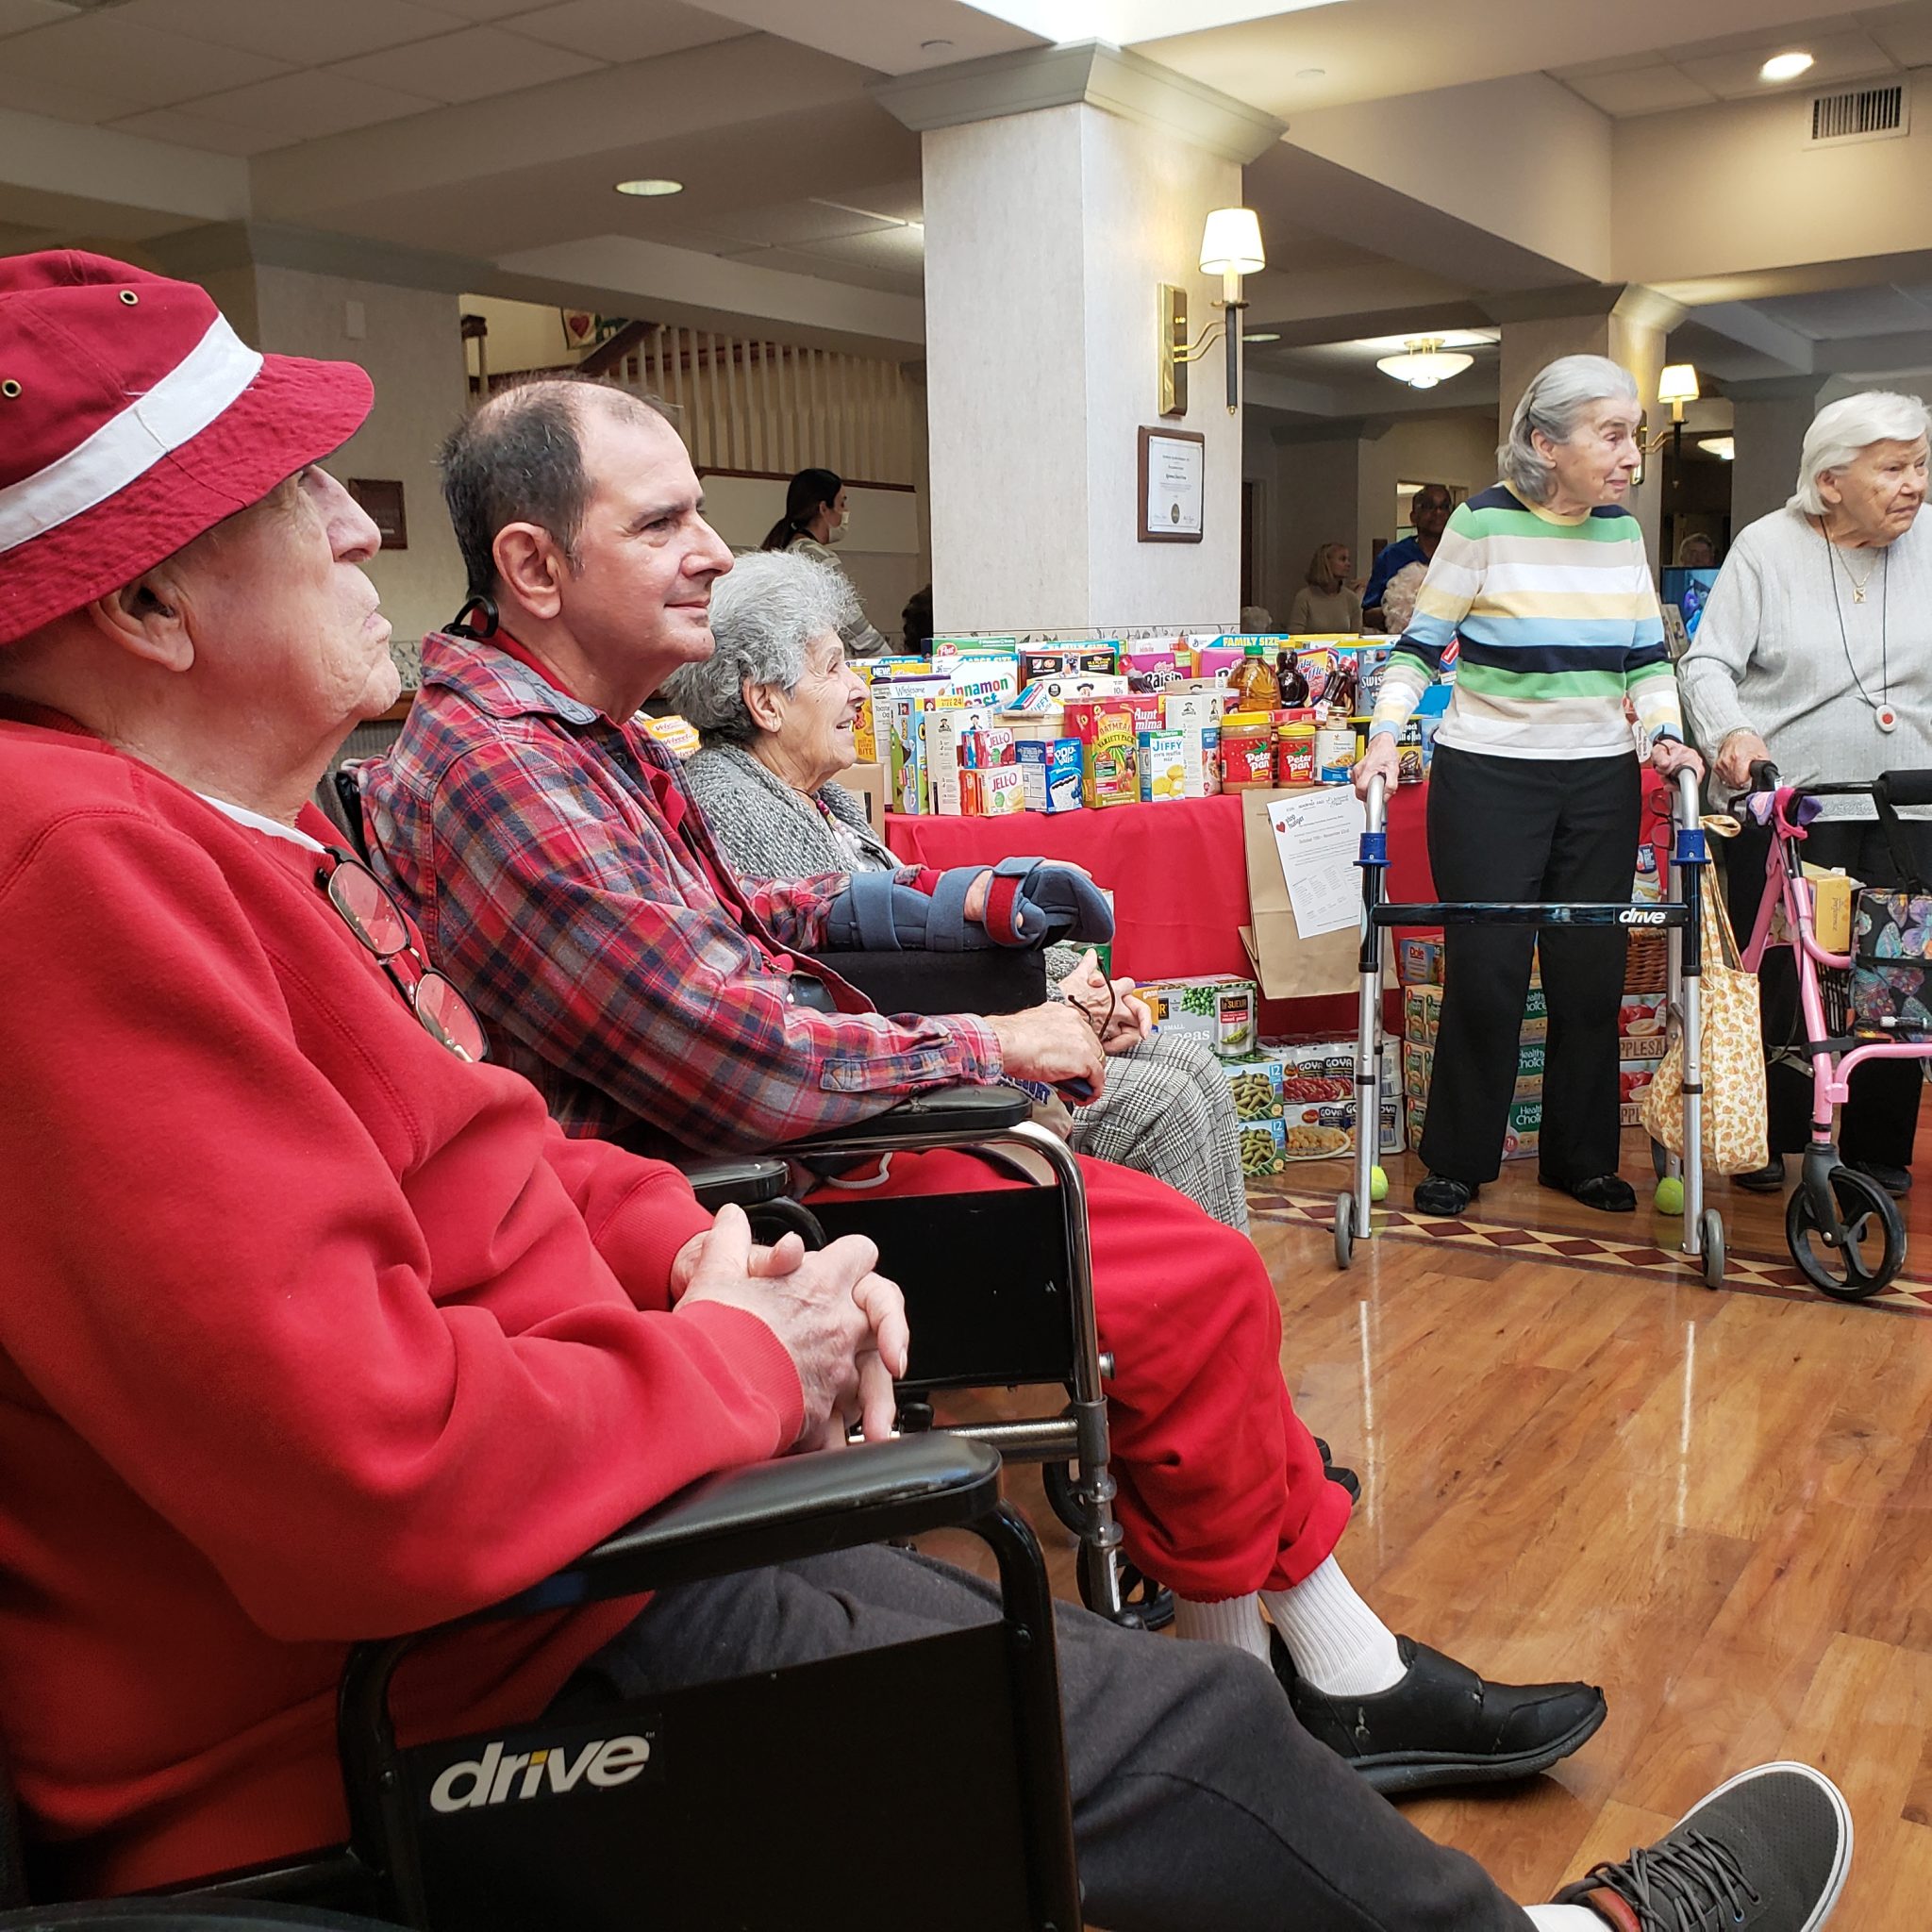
1288,966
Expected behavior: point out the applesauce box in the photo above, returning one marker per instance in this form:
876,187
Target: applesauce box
1216,1007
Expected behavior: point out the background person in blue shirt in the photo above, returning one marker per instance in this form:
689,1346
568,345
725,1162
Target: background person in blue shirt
1429,510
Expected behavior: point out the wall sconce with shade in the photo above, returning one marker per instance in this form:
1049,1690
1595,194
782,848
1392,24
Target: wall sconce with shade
1230,248
1676,385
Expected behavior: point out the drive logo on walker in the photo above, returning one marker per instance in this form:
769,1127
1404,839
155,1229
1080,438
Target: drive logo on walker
1641,915
506,1777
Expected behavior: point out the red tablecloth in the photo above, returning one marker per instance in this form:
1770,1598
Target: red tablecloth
1179,874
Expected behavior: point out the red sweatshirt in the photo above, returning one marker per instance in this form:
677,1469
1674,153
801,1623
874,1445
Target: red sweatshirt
311,1332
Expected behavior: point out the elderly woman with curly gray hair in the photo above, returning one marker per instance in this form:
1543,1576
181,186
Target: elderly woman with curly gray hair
1533,794
774,707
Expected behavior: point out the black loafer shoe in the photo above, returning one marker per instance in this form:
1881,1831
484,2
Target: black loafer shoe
1608,1193
1442,1724
1895,1180
1762,1180
1437,1193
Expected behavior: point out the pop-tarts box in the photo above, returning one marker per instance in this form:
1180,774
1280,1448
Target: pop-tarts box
1050,773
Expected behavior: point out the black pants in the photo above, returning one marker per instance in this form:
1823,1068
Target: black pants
1198,1800
1529,830
1879,1120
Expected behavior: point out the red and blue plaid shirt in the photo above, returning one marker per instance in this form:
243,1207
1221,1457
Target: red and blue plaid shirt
563,877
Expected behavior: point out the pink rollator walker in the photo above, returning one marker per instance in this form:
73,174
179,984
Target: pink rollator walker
1844,1229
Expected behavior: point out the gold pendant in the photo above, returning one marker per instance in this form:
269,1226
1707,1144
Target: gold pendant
1857,593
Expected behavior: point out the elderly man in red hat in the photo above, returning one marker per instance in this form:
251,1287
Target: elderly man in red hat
316,1329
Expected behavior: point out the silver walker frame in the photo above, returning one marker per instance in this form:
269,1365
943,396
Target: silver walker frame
1680,913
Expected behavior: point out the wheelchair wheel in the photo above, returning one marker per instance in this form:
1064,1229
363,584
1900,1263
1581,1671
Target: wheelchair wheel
1711,1227
1344,1229
1874,1243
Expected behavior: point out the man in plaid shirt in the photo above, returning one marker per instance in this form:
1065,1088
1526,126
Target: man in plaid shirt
562,875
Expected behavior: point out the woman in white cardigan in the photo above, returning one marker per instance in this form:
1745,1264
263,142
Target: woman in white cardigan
1815,652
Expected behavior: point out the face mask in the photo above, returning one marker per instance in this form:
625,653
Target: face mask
842,530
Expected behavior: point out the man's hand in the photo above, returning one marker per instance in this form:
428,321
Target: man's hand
1053,1044
974,907
1121,1021
766,1264
1670,756
844,1326
1737,755
1383,760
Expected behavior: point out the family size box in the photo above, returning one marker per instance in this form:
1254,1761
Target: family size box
994,793
1163,768
1216,1005
1110,752
1050,774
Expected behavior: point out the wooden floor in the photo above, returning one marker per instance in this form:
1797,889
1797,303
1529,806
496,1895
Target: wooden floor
1718,1506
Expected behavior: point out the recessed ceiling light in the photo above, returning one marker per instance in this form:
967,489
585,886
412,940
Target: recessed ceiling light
651,186
1261,335
1724,448
1311,74
935,46
1784,66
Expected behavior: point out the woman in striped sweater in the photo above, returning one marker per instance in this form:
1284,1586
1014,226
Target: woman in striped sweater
1534,791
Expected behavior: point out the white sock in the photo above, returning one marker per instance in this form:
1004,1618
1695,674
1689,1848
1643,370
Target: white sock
1339,1644
1564,1919
1235,1620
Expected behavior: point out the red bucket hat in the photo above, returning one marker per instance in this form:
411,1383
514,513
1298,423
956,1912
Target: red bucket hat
133,418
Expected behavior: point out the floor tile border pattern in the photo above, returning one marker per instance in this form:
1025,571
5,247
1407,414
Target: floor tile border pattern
1744,1273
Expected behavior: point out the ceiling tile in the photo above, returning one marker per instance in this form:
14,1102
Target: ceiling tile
1833,314
1641,91
888,248
297,31
894,201
795,223
1837,56
150,68
621,30
307,106
800,261
57,102
1904,32
188,130
467,66
485,10
16,16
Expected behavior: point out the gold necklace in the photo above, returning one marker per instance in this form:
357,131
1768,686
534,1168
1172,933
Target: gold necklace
1858,586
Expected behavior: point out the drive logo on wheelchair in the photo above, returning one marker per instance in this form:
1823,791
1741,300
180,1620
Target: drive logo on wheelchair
503,1777
1642,915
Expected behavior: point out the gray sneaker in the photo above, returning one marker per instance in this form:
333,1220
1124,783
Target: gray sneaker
1768,1850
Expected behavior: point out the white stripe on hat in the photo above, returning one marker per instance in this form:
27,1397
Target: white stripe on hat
175,410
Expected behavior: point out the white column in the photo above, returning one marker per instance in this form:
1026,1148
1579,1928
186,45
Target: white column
1769,419
1061,190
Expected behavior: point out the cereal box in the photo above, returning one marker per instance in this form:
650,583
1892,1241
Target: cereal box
1109,761
1163,768
1050,774
1216,1005
1064,660
943,732
1180,710
992,794
1201,761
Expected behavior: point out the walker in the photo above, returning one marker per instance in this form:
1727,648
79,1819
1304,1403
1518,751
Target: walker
1680,915
1845,1231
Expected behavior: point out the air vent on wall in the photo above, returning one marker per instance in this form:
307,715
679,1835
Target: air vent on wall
1862,113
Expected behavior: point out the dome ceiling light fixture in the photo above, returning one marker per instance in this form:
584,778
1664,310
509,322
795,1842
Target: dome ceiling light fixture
1724,448
1785,66
650,188
1424,362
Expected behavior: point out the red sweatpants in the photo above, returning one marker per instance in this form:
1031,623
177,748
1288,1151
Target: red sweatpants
1221,1490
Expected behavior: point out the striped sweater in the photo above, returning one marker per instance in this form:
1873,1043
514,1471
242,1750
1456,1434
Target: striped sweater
1558,623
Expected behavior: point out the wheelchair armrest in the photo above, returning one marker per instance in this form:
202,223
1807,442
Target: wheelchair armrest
775,1512
747,1179
989,979
956,1113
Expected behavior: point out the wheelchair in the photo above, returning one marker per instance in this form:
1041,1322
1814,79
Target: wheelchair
1027,1323
654,1814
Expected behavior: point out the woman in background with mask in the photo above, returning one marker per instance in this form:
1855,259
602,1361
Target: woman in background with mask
816,517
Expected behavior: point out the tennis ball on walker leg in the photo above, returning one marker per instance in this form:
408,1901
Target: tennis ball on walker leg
1378,1185
1670,1195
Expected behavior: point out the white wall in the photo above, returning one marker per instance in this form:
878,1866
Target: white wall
522,335
1457,448
1047,236
412,351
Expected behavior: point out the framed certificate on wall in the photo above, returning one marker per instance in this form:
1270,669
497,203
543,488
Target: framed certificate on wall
1173,472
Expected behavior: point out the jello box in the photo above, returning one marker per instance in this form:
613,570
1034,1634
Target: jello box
991,745
1050,774
1110,752
1163,766
1216,1005
995,792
